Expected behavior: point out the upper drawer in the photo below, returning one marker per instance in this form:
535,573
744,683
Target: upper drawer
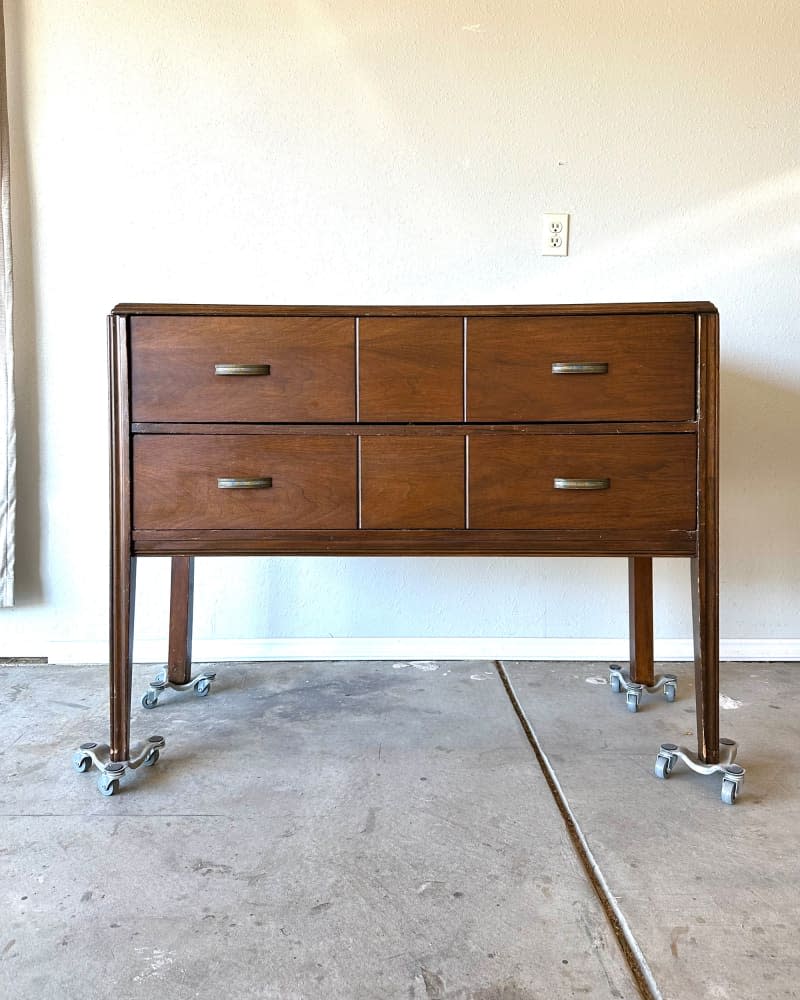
305,373
643,368
411,368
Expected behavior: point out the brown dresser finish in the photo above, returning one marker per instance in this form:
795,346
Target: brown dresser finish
486,430
229,481
644,481
304,369
413,482
411,368
649,362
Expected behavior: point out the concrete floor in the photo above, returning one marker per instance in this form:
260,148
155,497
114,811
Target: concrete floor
379,831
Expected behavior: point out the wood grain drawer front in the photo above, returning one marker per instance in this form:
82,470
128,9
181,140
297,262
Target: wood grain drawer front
649,362
636,481
294,482
411,368
412,482
304,369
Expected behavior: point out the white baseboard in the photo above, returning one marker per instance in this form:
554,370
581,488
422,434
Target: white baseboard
400,648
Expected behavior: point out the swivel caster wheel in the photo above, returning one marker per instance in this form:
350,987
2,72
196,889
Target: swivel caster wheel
664,765
203,687
632,699
150,698
82,762
615,683
732,783
151,758
670,690
108,782
108,786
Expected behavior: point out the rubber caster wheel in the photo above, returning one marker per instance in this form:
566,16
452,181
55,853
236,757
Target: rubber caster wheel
151,758
670,691
632,701
663,767
150,698
108,787
614,681
202,687
82,762
730,789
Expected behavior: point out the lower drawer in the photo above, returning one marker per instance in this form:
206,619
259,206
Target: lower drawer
243,481
593,481
412,482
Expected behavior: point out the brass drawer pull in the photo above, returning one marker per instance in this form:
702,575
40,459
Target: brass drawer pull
241,369
580,368
264,483
581,484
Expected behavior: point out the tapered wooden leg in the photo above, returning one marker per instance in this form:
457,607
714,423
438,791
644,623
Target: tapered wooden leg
705,614
640,607
123,599
179,661
705,566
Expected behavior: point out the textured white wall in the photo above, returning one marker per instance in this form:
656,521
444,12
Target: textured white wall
323,152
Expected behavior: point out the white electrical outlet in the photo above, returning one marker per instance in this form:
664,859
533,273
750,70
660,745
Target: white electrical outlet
555,234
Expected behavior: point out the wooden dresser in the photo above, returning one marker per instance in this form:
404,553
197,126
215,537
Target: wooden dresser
558,430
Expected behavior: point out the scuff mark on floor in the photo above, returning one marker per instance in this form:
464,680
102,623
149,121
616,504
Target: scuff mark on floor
434,984
210,868
427,885
729,704
426,665
369,824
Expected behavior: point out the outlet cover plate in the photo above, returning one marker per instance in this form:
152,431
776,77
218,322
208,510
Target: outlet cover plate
555,234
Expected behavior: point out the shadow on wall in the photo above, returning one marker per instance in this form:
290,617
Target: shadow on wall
28,577
759,512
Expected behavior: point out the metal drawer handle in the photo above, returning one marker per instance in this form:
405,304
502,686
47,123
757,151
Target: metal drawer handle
580,368
581,484
241,369
264,483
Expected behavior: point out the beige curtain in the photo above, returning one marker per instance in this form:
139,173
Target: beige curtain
8,456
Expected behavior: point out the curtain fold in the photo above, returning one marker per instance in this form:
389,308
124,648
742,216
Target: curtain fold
7,426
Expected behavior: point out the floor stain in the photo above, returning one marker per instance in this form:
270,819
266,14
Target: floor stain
509,990
15,691
677,932
434,984
210,868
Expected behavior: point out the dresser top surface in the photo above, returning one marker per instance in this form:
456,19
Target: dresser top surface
596,309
